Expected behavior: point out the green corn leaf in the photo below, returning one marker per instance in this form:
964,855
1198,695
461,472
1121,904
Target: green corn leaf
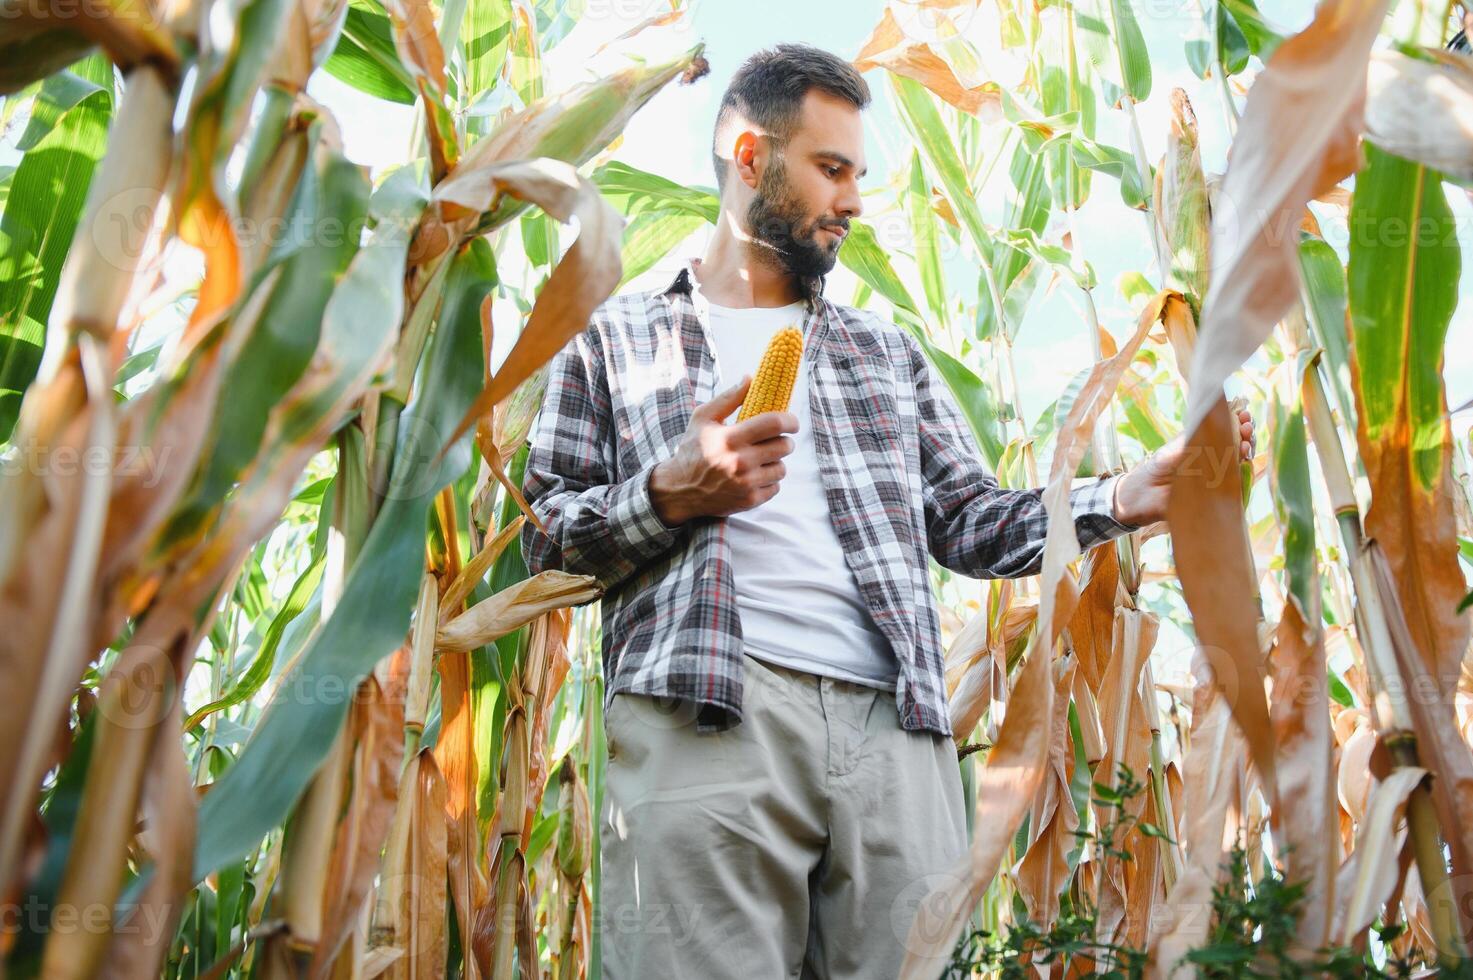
923,120
634,192
1403,288
927,239
861,254
1324,287
651,236
365,57
1114,161
484,37
303,592
1113,41
1261,39
1233,49
67,136
1055,256
1293,500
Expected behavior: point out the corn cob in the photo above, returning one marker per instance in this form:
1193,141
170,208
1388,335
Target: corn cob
773,385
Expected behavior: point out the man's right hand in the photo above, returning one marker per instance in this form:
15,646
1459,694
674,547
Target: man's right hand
720,469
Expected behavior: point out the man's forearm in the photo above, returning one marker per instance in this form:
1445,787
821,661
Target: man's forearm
609,530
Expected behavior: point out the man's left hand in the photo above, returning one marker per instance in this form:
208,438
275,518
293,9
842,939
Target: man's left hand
1140,495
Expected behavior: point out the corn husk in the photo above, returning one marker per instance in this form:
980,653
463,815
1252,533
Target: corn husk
1181,206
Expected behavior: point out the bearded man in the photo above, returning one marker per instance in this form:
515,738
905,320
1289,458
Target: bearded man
783,787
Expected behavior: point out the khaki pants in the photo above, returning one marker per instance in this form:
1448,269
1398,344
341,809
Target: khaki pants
798,843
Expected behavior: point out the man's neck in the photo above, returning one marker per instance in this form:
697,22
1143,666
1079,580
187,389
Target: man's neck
731,275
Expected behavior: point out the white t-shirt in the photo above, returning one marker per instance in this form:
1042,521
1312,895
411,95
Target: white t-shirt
798,599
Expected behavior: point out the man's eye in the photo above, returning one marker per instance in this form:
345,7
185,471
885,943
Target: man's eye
832,171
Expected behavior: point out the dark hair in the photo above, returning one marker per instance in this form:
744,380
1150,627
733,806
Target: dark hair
769,87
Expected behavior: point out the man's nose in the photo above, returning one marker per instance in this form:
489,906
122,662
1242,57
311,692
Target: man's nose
850,204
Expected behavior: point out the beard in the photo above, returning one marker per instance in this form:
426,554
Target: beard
783,238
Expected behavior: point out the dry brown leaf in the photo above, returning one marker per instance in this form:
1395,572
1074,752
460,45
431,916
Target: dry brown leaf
1301,719
1368,878
206,225
1440,747
888,47
377,727
658,20
968,675
1124,916
515,606
1042,873
424,914
587,274
1126,724
1314,88
547,666
1092,627
455,756
1210,771
1123,713
1181,334
1347,720
1176,790
500,441
475,570
1353,782
418,41
142,941
1205,512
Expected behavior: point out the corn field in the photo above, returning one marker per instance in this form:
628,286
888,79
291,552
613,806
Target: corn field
282,700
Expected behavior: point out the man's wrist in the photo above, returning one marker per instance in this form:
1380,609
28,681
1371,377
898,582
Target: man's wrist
1118,508
662,497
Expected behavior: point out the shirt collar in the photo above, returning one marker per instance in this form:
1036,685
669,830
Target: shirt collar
815,328
685,281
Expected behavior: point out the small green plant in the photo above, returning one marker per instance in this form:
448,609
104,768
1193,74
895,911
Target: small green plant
1071,940
1126,788
1251,935
1068,942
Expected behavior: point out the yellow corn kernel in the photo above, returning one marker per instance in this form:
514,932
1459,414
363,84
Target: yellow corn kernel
773,385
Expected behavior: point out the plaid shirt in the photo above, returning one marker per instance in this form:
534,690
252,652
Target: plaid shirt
900,467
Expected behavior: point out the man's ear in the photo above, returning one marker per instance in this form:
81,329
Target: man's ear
746,157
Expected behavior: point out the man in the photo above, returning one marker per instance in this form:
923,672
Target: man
782,785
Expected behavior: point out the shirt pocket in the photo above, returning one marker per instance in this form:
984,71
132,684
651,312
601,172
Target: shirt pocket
869,400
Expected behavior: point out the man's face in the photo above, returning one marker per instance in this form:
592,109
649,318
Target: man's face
809,188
